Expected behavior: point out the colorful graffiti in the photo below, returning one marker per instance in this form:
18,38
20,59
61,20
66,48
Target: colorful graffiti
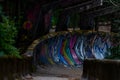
71,49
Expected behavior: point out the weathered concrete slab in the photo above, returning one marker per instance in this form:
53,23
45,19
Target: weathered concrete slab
49,78
57,72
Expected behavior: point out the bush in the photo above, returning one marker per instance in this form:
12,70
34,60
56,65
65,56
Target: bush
8,33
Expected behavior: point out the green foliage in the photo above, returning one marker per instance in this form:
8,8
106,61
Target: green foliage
115,53
55,17
8,33
115,49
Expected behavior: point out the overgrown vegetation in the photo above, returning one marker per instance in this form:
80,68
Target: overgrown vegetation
8,33
115,48
115,53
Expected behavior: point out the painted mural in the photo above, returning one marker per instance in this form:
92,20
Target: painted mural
72,48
